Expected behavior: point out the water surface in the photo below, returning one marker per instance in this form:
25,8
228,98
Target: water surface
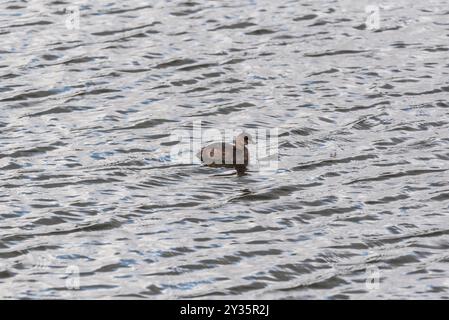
88,185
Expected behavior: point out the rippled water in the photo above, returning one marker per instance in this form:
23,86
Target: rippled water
88,186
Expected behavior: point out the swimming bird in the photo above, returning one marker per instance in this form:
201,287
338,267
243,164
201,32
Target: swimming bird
221,154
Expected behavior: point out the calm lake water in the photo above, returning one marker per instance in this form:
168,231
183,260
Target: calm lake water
93,205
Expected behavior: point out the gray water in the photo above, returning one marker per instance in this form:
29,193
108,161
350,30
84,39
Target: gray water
92,204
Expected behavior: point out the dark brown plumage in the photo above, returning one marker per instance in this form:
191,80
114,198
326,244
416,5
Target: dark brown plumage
227,155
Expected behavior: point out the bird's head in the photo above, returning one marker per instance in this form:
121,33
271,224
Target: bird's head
243,139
